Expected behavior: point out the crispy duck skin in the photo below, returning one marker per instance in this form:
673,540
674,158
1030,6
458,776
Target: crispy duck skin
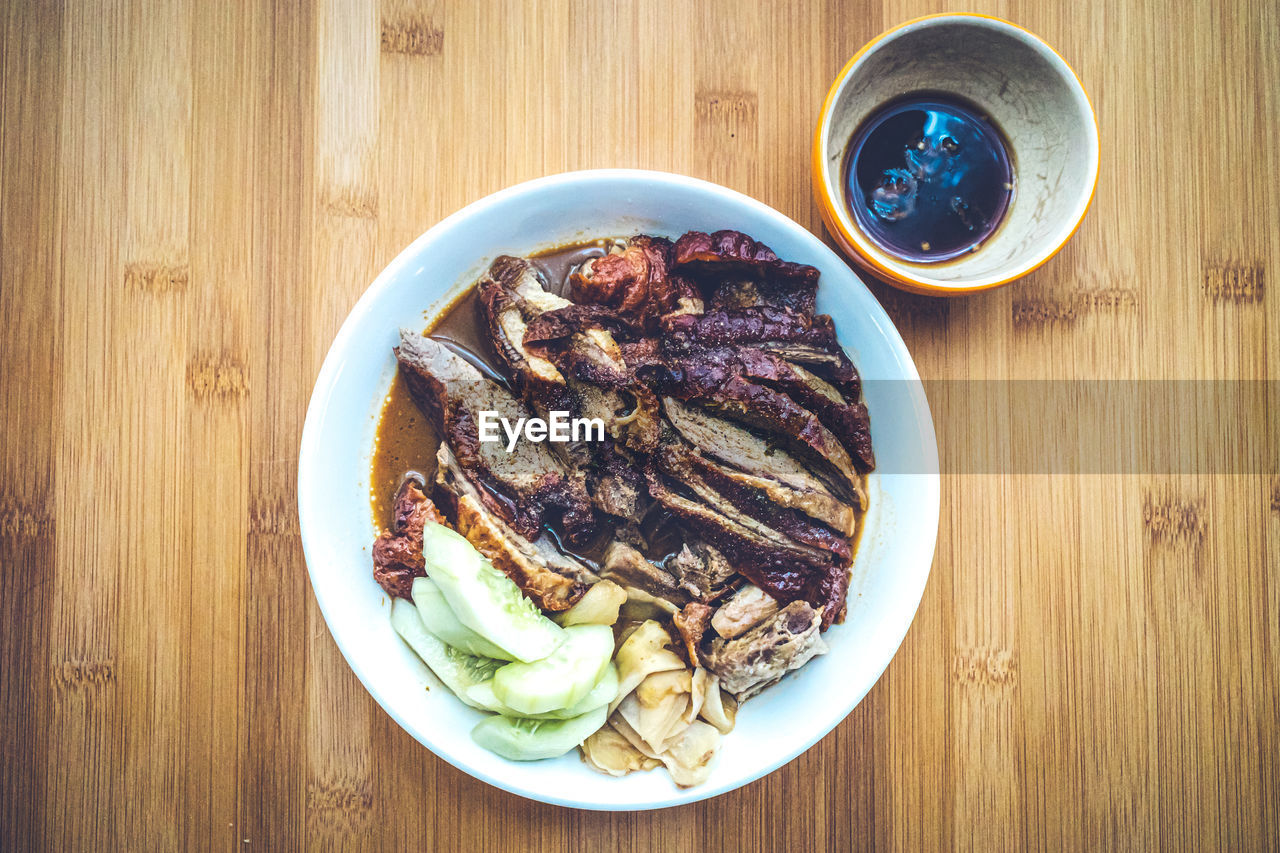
719,384
730,259
636,282
520,486
397,552
553,580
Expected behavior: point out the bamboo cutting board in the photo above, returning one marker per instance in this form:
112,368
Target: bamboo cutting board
194,193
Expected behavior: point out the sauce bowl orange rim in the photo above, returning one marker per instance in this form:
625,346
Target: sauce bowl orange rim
855,243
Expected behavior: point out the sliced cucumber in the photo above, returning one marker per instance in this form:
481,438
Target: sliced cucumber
560,680
484,599
440,620
603,693
458,670
529,740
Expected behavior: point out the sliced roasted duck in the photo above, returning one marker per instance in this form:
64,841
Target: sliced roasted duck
523,487
753,462
553,579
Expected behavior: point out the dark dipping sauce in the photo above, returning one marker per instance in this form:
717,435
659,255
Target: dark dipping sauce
928,178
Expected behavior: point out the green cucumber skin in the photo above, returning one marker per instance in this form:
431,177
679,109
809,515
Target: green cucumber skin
444,623
457,670
484,599
529,687
601,695
534,740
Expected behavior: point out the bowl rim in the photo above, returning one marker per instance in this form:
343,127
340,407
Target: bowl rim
310,466
854,243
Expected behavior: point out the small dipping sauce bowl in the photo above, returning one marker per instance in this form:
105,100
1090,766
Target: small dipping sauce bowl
1018,83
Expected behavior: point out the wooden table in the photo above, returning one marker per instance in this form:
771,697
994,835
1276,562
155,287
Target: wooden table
195,194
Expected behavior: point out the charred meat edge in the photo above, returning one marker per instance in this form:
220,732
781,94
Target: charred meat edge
397,552
733,445
552,579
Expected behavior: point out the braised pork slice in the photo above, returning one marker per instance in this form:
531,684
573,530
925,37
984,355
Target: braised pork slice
397,552
796,485
522,486
760,657
554,580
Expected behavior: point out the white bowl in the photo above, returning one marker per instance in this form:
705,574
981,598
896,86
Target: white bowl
892,562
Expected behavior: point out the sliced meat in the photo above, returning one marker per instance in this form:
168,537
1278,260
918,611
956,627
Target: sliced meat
797,338
731,256
627,567
847,420
754,463
709,373
637,283
579,340
760,657
521,486
748,607
554,580
703,571
510,295
754,503
783,568
749,509
761,325
720,386
691,623
397,552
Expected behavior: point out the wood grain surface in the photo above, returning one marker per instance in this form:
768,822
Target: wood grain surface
193,193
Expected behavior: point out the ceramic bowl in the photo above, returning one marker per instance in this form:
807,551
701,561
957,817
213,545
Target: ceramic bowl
1027,91
892,561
